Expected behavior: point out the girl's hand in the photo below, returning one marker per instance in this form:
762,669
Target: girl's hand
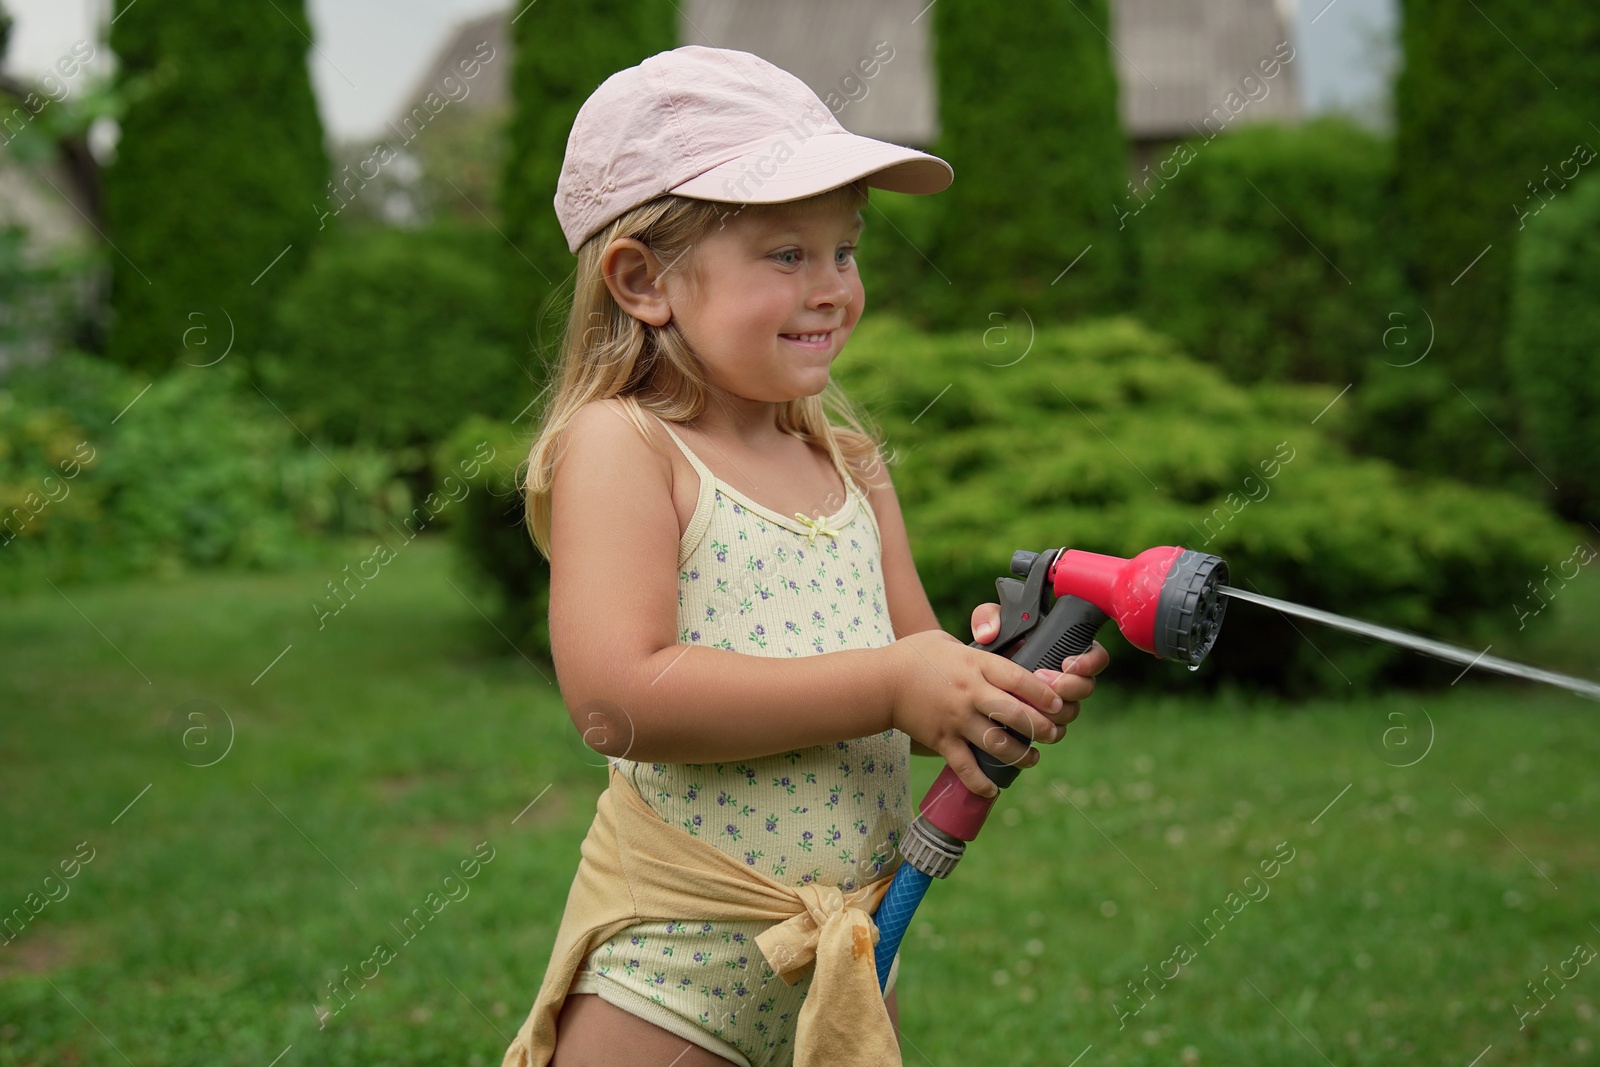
945,695
1075,680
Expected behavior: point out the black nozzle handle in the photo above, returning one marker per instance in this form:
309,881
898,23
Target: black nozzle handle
1068,630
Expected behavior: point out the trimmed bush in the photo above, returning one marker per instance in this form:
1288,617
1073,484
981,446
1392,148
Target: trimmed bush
900,228
489,529
1028,120
1268,251
391,337
1106,437
102,477
564,49
1489,103
1553,348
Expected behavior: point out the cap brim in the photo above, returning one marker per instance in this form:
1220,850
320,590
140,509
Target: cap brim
786,168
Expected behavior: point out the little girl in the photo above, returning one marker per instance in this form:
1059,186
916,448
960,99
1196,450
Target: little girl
735,617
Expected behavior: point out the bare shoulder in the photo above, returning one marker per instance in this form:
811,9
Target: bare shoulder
606,425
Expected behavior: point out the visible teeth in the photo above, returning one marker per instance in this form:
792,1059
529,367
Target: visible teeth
807,336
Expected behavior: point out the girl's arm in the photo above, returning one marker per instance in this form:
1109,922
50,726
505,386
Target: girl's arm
909,609
630,688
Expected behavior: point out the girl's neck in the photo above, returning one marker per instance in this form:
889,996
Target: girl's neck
749,424
755,429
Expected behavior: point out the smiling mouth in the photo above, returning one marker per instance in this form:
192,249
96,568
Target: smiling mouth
808,338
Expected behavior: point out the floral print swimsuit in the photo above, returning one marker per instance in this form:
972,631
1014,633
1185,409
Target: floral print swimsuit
763,584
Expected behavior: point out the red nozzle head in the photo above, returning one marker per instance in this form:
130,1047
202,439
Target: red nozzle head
1164,600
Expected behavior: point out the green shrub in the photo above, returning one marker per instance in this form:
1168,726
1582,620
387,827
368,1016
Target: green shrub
103,475
1106,437
1553,348
43,499
391,337
44,305
560,58
1268,251
489,529
900,228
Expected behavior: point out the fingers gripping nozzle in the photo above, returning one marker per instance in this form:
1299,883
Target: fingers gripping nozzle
1049,628
1164,600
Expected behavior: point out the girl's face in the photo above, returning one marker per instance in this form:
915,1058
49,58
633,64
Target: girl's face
776,300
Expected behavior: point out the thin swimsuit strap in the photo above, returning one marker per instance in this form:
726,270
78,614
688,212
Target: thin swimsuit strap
828,526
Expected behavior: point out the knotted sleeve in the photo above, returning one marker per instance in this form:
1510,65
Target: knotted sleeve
844,1019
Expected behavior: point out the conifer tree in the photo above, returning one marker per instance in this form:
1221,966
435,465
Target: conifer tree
564,50
1028,119
215,196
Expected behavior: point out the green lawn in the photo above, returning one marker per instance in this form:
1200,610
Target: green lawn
376,755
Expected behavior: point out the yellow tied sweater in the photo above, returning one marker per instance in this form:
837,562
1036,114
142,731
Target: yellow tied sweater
636,866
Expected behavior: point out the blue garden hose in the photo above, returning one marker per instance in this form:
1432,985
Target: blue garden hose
894,914
927,853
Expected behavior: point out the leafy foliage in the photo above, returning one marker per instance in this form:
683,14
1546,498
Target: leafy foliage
391,337
1106,437
103,475
564,50
488,527
1023,205
1474,152
1554,346
1268,253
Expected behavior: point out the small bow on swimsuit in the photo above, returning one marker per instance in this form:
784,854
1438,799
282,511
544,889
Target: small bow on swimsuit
816,527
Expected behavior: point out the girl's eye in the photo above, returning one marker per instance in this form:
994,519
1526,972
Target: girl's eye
847,253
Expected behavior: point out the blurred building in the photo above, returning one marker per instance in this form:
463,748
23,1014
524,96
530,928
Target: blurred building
1177,61
1188,69
49,212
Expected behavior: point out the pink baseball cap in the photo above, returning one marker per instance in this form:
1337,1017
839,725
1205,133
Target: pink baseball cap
717,124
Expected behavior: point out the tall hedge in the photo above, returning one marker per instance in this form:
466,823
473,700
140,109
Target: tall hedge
1491,100
564,50
1028,119
1268,251
390,338
1554,348
212,201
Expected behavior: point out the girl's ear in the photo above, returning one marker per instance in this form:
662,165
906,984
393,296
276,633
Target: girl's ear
633,274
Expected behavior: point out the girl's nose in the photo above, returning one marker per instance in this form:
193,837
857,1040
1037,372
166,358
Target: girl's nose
832,292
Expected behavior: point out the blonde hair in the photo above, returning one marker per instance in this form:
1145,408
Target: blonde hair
606,352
